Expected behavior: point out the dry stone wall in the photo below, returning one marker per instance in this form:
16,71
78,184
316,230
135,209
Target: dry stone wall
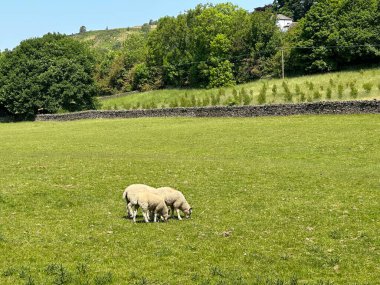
344,107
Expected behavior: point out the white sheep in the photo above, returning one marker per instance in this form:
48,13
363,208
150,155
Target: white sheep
149,202
130,193
175,200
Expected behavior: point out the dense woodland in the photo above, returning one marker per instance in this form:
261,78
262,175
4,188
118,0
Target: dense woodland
208,46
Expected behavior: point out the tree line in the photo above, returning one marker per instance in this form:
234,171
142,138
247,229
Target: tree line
208,46
222,45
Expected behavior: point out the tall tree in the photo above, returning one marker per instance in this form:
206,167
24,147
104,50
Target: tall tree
296,9
47,74
336,33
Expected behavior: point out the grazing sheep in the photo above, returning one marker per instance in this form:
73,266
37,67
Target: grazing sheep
130,193
175,200
149,202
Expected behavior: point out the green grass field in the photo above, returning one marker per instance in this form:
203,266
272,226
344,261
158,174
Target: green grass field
348,85
277,199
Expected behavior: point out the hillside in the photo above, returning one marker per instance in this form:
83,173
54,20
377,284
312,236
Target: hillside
347,85
108,39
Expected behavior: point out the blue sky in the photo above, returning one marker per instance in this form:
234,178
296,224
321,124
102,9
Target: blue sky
23,19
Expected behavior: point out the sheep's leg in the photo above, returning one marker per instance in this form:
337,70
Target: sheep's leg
134,214
145,215
130,210
179,216
155,217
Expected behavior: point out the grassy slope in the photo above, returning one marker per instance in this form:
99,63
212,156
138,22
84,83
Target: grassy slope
106,39
272,197
321,83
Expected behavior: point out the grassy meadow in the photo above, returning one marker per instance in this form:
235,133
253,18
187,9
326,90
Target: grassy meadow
348,85
106,40
276,200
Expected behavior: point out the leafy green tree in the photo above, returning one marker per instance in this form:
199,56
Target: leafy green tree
296,9
336,33
82,29
47,74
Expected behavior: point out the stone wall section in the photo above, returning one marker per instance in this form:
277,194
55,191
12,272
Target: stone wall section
327,107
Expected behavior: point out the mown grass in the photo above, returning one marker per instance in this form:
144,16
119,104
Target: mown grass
291,200
348,85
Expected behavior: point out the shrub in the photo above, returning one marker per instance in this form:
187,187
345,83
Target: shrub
340,91
310,85
353,91
173,104
317,95
328,93
47,74
193,101
244,97
206,101
288,97
368,87
235,95
302,97
261,99
274,91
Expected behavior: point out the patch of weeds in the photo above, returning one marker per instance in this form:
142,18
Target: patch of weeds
335,234
82,269
103,279
61,274
29,280
163,252
142,281
2,238
332,261
216,271
275,281
23,272
9,272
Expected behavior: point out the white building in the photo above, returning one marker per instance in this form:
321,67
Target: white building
283,22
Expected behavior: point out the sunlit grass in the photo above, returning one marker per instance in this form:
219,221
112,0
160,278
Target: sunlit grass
292,199
349,85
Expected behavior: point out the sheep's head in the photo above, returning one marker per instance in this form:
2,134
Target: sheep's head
165,217
188,213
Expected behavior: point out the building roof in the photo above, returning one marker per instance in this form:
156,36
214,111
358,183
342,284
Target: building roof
283,17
